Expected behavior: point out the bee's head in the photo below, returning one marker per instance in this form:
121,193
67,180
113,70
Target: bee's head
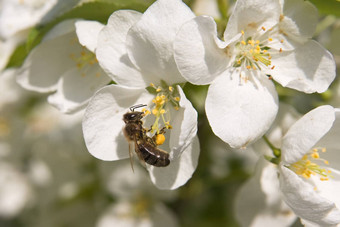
133,117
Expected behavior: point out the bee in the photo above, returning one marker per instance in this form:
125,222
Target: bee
145,146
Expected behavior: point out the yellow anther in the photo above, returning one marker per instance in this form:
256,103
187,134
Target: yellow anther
239,61
158,89
264,51
324,179
257,41
323,150
162,111
326,162
160,139
177,99
163,97
171,88
152,85
242,32
280,50
270,39
154,111
248,67
243,42
254,68
176,108
315,155
251,51
272,67
263,28
281,41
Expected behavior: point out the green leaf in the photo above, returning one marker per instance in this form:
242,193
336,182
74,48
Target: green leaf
328,6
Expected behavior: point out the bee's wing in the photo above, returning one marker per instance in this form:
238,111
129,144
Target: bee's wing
131,155
139,154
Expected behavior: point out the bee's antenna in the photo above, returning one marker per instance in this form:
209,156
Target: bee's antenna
132,108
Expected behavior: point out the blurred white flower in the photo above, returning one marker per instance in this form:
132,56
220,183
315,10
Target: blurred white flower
263,40
124,214
63,64
137,53
15,191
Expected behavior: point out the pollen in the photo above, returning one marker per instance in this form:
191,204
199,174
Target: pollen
242,32
270,39
308,166
243,42
171,88
160,139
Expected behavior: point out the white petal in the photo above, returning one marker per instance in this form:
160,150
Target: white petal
47,62
305,201
305,133
150,40
263,190
111,51
87,32
300,19
240,112
332,143
103,120
309,68
179,171
251,16
76,87
184,125
199,58
16,16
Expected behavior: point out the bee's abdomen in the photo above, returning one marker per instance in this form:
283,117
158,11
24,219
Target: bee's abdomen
152,155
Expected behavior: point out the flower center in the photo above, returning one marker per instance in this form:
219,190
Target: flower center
165,97
83,59
252,54
307,166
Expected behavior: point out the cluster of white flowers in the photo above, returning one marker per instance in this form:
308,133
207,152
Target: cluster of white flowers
138,64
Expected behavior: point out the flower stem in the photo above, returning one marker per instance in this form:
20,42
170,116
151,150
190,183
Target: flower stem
276,151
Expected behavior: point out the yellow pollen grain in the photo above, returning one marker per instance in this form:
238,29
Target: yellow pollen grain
239,61
326,162
243,42
263,28
242,32
270,39
163,97
281,41
160,139
323,150
264,51
177,99
248,67
254,67
176,108
171,88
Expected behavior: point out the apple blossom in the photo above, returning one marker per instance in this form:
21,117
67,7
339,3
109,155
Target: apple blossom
136,51
310,166
63,64
263,40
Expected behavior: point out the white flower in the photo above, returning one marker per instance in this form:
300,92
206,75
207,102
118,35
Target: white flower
263,40
263,192
263,189
60,63
15,191
125,214
31,12
136,51
310,166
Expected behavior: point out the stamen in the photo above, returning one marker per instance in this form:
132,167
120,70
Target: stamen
306,168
